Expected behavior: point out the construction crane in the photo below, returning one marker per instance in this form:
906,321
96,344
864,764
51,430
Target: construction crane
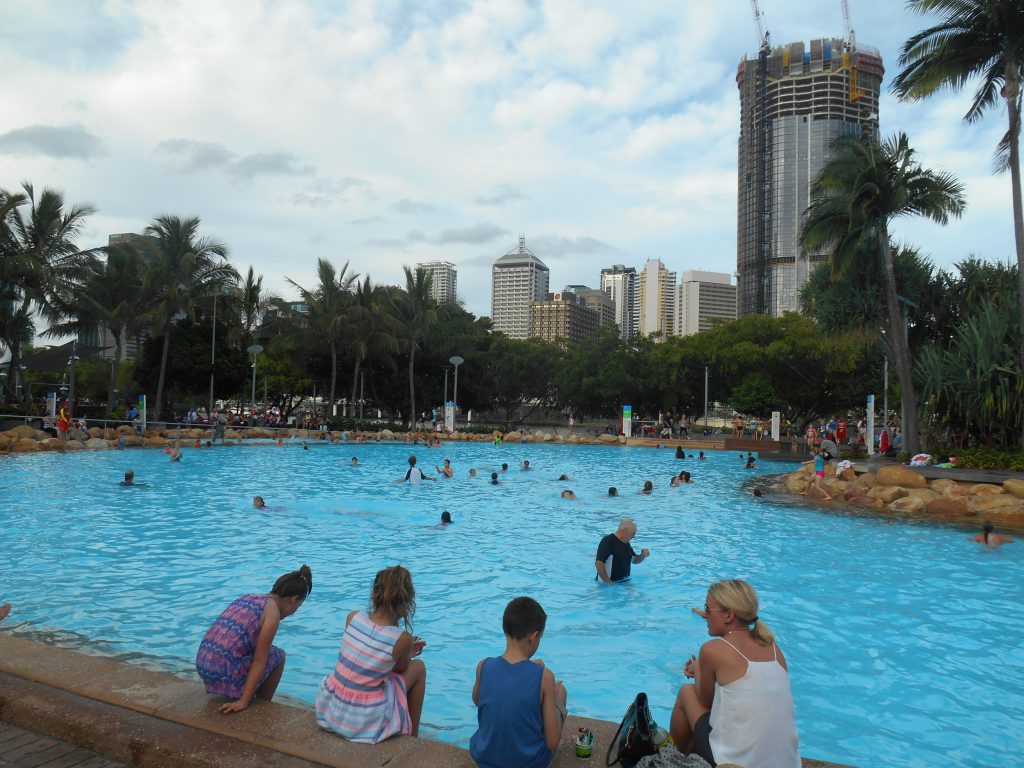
762,35
849,54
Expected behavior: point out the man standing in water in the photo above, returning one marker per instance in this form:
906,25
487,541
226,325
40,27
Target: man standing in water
615,556
414,475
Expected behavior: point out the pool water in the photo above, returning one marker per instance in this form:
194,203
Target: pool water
903,639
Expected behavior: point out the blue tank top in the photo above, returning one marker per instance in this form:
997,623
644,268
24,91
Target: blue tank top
510,728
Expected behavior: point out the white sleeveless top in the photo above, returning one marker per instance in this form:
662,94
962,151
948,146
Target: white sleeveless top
752,719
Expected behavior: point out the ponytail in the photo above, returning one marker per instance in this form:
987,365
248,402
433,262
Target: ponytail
762,633
294,584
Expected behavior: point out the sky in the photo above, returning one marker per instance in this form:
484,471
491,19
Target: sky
383,133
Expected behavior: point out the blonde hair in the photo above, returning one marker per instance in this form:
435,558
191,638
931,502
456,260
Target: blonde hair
393,591
739,597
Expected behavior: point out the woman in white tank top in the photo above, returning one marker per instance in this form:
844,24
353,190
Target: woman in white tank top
739,709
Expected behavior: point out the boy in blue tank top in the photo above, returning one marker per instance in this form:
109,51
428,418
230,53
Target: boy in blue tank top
520,707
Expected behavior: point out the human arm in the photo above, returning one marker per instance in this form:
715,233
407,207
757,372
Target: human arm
704,670
644,554
602,572
552,708
406,648
604,551
476,683
268,628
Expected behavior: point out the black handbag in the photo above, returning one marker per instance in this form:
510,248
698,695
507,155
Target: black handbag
635,738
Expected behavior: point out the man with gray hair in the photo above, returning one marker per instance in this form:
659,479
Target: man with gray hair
615,556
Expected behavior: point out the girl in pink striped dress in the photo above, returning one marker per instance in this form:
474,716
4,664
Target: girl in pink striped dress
377,686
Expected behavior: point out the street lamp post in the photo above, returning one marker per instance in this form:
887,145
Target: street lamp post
456,361
213,356
254,350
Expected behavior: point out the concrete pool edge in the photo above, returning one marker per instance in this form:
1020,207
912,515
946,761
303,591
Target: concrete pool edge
156,719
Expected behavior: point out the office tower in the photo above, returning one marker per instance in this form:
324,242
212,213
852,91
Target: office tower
656,300
442,279
597,300
101,336
562,317
793,103
703,296
619,282
518,279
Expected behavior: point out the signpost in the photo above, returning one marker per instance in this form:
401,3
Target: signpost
776,425
869,441
456,361
627,420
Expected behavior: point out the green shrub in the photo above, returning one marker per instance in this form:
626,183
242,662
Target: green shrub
988,458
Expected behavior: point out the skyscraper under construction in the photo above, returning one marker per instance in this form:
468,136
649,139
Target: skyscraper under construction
793,103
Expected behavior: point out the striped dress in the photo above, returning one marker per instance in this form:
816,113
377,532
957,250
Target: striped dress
226,652
364,699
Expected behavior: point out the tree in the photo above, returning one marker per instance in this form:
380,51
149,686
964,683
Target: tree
863,186
254,303
983,40
326,308
38,261
370,331
417,316
183,268
110,296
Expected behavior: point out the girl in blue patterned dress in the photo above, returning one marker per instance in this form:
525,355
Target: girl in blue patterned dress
236,658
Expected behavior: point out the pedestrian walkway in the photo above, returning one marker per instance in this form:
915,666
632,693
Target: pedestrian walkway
21,748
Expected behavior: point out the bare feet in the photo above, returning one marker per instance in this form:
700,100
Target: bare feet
4,610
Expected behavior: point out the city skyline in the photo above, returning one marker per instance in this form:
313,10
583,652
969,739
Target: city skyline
389,134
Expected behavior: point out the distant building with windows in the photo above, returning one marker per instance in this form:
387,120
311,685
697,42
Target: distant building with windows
656,300
619,283
518,279
562,317
702,297
597,301
443,278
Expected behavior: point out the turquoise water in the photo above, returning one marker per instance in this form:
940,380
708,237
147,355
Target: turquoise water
903,639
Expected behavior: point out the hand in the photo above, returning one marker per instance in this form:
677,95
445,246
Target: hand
690,670
232,706
700,612
417,645
561,695
646,553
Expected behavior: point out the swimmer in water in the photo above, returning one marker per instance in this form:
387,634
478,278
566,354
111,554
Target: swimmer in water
494,478
676,481
504,467
648,487
355,462
446,470
563,477
569,495
472,471
526,465
613,491
176,453
701,456
129,478
258,503
989,538
446,519
751,463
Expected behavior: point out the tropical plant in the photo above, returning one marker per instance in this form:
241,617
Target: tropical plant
975,381
110,296
325,317
370,332
976,40
183,268
864,185
417,317
38,262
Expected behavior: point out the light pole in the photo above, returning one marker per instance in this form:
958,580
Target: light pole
254,350
456,361
705,400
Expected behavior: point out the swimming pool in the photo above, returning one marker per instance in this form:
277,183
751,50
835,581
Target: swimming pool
902,639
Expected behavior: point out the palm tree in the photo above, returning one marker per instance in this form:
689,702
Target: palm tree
415,311
184,268
860,190
111,297
371,330
326,306
39,260
975,40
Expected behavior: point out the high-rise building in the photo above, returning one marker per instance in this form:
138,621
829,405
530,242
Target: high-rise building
619,282
793,103
101,336
656,300
596,300
442,279
703,296
562,317
518,279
